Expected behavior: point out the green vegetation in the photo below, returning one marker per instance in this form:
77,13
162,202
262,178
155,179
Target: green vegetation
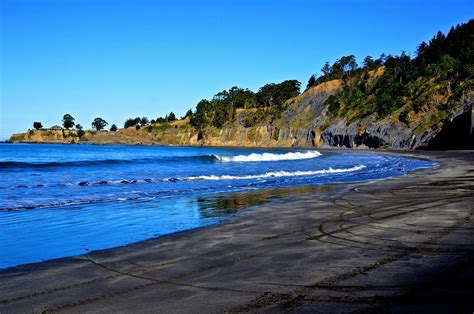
171,117
399,86
99,123
420,91
132,122
189,114
442,69
168,118
68,121
80,131
267,103
311,81
139,122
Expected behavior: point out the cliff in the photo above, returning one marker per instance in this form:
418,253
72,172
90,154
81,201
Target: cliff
396,102
175,133
306,122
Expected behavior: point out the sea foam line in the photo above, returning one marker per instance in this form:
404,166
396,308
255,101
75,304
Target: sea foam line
275,174
269,156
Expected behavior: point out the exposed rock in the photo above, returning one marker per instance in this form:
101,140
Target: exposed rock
305,123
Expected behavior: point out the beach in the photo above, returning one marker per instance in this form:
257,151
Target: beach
397,244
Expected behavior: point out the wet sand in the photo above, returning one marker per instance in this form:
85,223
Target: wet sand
399,244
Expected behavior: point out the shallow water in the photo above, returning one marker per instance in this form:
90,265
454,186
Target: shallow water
63,200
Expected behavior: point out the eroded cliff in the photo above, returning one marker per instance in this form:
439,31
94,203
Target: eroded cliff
306,122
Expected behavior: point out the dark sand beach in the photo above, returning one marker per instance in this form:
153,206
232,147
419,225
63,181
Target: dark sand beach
405,243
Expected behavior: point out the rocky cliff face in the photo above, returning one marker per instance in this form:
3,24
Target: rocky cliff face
306,122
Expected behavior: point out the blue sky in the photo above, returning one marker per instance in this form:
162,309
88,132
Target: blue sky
117,59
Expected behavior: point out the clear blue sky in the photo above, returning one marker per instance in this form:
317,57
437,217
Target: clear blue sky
118,59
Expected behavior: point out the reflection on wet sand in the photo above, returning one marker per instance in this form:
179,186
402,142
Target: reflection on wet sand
229,204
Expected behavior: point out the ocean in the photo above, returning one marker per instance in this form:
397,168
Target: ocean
65,200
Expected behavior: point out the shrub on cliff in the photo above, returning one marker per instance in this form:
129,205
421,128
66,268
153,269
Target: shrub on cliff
189,114
37,125
171,117
311,81
144,120
80,132
131,122
113,128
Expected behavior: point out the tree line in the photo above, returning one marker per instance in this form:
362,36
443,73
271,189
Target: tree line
409,82
270,99
139,122
68,123
446,60
221,109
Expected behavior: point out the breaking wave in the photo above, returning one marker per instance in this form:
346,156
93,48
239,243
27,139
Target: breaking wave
18,165
275,174
269,157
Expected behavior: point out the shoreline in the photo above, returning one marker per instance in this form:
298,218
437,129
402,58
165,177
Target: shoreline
322,148
270,194
226,259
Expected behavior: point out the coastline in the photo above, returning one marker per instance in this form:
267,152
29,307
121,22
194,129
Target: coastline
356,247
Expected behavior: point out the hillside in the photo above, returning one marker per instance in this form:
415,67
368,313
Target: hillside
395,102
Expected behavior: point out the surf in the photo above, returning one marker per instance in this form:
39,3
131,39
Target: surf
276,174
255,157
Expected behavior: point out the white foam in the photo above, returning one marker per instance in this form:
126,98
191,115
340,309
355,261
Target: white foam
269,156
275,174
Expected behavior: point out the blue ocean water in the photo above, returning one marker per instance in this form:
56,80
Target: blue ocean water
64,200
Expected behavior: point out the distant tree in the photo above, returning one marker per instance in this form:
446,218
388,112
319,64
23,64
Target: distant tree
137,127
68,121
447,62
381,59
276,94
422,48
152,121
80,132
160,119
349,63
144,121
199,118
326,69
113,128
311,81
37,125
131,122
342,68
171,117
99,123
189,114
368,62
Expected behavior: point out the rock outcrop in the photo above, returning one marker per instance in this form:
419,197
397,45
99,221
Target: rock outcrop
306,122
